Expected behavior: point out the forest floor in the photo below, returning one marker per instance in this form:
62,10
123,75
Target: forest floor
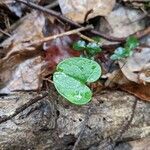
38,111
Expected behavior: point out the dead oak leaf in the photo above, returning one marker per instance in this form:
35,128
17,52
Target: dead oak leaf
20,66
137,67
139,90
76,10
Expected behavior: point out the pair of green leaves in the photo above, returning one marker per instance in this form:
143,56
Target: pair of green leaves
71,77
91,48
127,50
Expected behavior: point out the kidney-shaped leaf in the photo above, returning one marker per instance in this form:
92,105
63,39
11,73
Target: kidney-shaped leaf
72,89
82,69
71,76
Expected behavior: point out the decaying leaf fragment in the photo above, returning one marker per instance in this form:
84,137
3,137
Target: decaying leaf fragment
140,90
16,7
137,67
59,48
122,22
20,67
78,9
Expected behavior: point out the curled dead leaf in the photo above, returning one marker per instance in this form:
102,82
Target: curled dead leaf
78,9
137,67
20,67
139,90
122,22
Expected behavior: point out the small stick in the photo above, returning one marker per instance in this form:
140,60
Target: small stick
46,79
17,23
3,32
63,18
85,37
52,5
61,34
5,118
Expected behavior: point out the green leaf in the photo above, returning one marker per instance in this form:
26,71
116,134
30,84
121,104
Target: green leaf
72,89
71,77
115,57
119,51
79,45
127,51
93,48
131,43
97,39
118,54
82,69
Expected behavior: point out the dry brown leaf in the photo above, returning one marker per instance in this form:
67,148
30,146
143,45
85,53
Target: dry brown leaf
16,7
122,22
136,0
25,76
141,144
137,67
117,78
20,67
139,90
77,9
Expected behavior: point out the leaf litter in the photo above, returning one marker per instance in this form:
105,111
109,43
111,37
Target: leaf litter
60,48
22,64
77,10
20,67
27,62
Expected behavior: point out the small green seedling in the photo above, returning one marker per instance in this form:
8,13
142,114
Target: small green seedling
96,39
79,45
127,50
91,48
71,77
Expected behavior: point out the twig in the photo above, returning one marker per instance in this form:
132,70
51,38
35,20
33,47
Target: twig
60,35
46,79
85,37
52,5
48,11
87,14
17,23
3,32
23,107
63,18
13,26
